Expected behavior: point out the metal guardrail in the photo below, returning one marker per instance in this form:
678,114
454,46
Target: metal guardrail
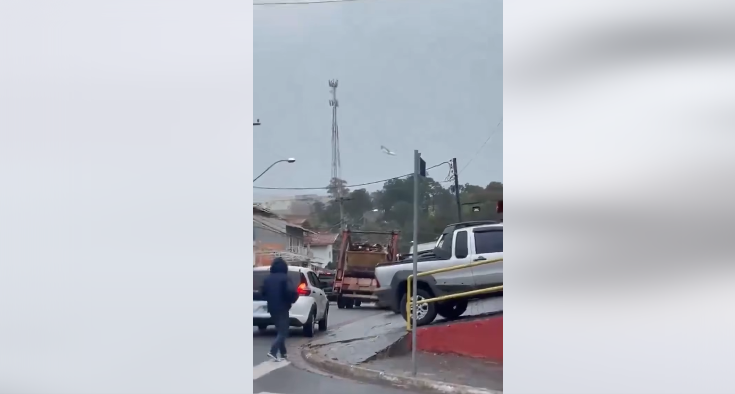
409,293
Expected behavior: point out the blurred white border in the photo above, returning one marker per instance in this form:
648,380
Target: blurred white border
618,159
125,197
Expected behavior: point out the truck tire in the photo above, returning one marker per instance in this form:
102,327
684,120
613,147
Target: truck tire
349,303
358,303
452,309
427,312
341,303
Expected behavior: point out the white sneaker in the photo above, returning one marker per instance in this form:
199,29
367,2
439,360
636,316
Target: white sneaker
283,358
272,357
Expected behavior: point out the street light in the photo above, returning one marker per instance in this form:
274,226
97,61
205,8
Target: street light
289,160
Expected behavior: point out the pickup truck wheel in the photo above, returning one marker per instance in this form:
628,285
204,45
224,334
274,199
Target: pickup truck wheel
451,310
426,312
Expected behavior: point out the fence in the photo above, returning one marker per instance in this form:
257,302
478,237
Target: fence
409,291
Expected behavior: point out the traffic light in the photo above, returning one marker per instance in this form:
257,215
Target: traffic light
422,167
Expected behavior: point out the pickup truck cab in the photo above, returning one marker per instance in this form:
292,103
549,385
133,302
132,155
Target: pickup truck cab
459,244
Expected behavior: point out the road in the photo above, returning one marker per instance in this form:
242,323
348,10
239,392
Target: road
293,377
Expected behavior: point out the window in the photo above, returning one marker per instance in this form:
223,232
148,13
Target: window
313,279
441,241
259,279
460,245
489,241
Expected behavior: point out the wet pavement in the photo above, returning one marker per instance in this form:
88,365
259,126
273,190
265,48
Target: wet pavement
364,340
290,378
444,368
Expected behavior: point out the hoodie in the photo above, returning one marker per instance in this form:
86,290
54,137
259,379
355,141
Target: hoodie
278,290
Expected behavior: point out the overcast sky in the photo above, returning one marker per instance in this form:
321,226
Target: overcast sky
413,74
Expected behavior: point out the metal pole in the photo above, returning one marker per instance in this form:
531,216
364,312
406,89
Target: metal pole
271,166
341,212
414,296
456,189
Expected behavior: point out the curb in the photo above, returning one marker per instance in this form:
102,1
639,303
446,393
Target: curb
373,376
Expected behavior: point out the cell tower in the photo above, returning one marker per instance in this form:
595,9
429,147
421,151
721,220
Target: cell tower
336,162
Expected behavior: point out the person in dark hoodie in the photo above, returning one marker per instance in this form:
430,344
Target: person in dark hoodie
280,294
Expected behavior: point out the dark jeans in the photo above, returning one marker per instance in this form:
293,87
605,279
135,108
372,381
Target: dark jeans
280,319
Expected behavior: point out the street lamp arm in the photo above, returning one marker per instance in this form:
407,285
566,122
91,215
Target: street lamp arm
291,160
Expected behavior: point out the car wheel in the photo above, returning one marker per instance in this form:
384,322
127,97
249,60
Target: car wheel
426,312
323,322
310,325
262,327
451,310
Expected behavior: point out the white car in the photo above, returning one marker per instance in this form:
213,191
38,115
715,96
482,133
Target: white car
311,308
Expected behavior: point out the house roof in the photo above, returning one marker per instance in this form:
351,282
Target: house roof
322,239
299,227
261,210
267,218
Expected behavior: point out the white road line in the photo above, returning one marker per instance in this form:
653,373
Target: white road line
267,367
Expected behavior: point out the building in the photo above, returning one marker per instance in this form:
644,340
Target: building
293,206
323,248
273,236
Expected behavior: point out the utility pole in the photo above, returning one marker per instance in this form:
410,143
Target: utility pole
415,257
455,175
341,200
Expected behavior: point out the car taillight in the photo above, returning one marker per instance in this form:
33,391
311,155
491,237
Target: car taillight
303,290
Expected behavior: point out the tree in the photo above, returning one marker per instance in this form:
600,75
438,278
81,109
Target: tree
358,204
337,188
437,207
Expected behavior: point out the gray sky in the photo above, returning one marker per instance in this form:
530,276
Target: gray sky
413,74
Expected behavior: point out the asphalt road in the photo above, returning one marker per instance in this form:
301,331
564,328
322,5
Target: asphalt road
294,377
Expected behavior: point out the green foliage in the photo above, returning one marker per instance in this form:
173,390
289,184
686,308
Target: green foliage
394,204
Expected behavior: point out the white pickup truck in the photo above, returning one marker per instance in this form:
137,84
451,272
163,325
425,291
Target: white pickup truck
460,243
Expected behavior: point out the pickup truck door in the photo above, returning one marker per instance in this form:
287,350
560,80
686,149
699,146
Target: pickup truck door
458,280
487,244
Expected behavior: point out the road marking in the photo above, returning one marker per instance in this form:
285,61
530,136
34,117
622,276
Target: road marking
267,367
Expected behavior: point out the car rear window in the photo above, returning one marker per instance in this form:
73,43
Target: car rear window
259,278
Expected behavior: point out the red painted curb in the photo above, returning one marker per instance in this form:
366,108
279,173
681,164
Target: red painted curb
482,338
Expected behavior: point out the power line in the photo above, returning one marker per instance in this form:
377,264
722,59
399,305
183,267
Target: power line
306,2
483,145
356,185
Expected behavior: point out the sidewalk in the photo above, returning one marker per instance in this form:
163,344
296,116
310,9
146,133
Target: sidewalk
445,368
377,350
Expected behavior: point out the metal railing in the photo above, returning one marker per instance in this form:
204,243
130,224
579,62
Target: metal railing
409,293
